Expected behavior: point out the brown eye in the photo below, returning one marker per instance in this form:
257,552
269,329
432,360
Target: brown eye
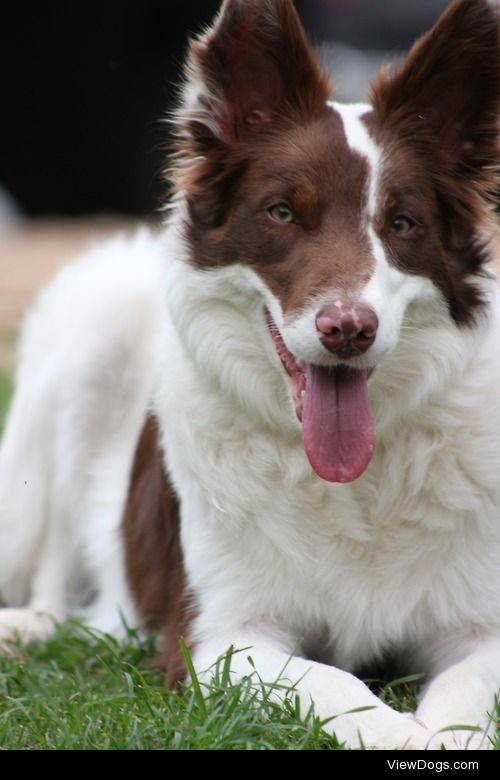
402,225
281,213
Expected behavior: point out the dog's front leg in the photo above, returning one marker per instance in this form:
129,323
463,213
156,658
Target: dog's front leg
464,694
357,717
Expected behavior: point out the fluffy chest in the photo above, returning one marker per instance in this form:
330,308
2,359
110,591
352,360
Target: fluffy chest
413,543
372,563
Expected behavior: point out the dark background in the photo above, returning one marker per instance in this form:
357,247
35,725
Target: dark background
84,88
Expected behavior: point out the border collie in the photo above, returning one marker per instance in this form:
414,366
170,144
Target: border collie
277,425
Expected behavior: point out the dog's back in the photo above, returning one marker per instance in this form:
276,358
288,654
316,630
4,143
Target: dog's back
87,362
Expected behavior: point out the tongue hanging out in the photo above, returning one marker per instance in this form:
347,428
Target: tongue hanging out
338,428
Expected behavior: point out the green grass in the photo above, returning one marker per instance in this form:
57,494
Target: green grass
84,692
5,394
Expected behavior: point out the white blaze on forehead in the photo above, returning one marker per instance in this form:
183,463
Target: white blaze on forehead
360,141
389,290
385,279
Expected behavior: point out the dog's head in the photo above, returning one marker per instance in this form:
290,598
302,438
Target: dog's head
346,218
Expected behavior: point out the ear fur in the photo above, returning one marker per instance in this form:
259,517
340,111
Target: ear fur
449,87
444,105
252,68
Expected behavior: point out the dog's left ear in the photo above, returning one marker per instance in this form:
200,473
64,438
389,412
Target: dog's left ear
253,64
449,87
253,69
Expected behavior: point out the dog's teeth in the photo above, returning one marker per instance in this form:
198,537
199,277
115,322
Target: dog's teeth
302,395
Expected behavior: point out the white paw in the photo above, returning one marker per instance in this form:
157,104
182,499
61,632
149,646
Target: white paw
110,622
24,624
381,731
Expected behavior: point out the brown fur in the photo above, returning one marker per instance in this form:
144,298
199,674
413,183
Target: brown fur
247,61
439,150
276,141
153,555
310,167
436,118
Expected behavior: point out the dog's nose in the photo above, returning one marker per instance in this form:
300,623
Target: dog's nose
347,330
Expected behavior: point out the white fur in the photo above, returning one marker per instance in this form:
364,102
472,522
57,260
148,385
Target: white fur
83,385
406,558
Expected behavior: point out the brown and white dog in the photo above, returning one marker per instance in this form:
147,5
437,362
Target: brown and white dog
311,350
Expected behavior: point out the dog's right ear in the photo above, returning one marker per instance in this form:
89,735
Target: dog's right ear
252,65
449,91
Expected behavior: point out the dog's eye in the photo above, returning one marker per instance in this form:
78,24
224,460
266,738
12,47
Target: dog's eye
281,213
402,225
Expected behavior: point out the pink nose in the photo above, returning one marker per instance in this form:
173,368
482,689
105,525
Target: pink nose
347,330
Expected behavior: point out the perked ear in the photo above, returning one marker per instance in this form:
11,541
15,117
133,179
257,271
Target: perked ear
254,63
449,86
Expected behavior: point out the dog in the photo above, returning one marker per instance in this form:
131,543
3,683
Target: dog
275,427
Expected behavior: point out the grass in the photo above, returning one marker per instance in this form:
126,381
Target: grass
5,394
81,691
85,691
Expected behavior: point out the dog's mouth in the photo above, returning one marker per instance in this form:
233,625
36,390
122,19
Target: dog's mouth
338,427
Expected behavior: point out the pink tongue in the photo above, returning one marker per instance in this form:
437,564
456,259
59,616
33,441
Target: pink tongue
338,428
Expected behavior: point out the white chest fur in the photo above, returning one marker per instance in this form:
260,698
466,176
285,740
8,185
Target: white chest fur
266,539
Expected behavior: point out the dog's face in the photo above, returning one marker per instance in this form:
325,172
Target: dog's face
346,216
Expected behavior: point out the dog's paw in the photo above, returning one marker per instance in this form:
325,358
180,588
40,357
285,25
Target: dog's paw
110,622
376,731
23,625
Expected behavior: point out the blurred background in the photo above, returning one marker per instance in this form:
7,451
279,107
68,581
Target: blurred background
84,87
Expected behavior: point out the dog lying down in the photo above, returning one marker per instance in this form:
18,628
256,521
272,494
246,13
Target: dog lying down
277,425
